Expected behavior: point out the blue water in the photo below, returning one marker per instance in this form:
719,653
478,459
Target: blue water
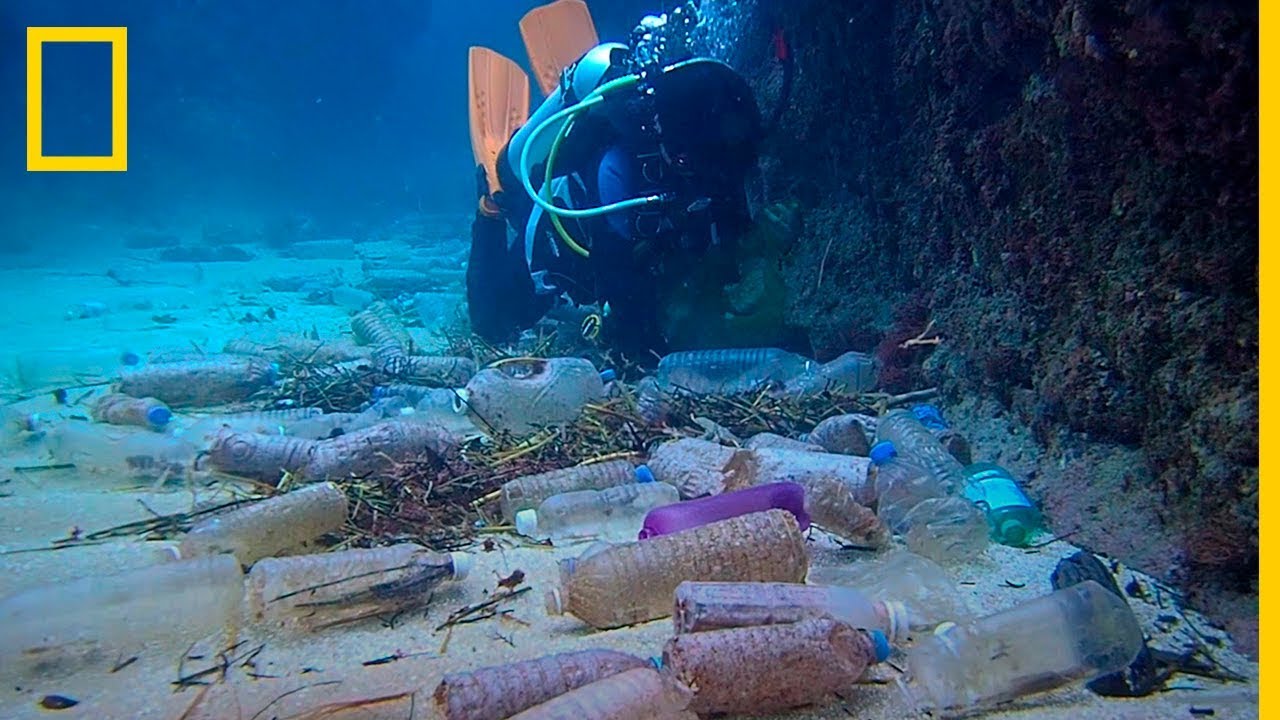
346,112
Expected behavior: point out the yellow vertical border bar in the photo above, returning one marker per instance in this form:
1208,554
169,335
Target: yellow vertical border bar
1268,372
118,160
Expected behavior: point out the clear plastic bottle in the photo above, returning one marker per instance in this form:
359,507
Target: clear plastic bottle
679,516
913,440
315,591
851,373
614,514
269,527
1075,633
46,629
946,529
529,491
900,484
121,451
519,396
634,582
1011,516
731,371
704,606
923,587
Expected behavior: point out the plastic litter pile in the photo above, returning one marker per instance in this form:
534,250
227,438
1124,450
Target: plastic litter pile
687,521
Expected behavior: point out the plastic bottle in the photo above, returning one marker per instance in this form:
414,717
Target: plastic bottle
637,694
257,456
702,606
615,513
121,451
215,381
844,434
695,467
378,325
499,691
45,630
529,491
768,465
522,395
772,440
730,371
376,449
900,484
269,527
681,516
1011,516
922,586
833,507
633,583
851,373
429,370
266,422
947,529
771,668
913,440
120,409
316,591
1079,632
955,443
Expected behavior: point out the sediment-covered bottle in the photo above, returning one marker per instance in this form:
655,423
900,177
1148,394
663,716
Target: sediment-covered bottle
379,324
310,592
500,691
637,694
48,629
214,381
634,582
844,434
121,409
1075,633
529,491
767,465
773,440
770,668
673,518
702,606
833,507
695,467
375,449
257,456
269,527
429,370
615,513
522,395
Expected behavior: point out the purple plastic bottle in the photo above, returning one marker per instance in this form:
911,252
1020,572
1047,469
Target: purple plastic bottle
679,516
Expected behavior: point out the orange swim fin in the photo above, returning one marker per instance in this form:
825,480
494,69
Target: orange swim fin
555,36
499,105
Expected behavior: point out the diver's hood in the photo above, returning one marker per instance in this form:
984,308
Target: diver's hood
708,121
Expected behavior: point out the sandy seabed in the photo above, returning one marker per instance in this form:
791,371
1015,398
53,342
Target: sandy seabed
298,675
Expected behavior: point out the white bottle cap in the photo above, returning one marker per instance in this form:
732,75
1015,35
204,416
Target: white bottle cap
527,522
554,605
462,564
460,399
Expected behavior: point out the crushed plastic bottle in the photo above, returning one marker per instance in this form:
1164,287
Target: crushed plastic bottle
121,451
771,668
673,518
946,529
702,606
521,395
529,491
1011,516
614,514
634,582
1075,633
269,527
311,592
500,691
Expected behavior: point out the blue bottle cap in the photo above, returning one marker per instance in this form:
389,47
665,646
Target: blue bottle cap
883,451
929,416
130,358
159,415
644,474
656,662
608,375
881,643
379,392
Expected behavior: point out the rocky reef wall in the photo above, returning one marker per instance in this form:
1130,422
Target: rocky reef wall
1065,193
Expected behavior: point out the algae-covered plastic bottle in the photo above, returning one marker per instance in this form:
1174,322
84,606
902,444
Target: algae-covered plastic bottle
1073,634
1011,516
529,491
615,513
635,582
269,527
702,606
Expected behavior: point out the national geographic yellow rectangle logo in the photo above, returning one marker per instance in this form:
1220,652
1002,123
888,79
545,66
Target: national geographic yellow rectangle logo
117,161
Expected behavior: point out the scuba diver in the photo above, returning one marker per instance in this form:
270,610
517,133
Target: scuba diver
630,172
